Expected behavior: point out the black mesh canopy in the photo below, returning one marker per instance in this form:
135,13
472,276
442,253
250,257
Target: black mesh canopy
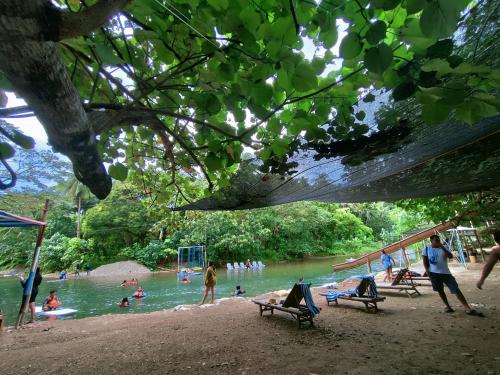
445,159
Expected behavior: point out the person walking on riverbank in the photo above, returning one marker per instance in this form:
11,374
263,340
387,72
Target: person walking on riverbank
387,262
435,258
492,260
37,280
210,282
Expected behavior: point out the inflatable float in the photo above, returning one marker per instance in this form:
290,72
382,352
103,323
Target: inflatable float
188,274
57,312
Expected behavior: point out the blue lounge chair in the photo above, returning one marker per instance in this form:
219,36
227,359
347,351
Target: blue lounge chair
365,292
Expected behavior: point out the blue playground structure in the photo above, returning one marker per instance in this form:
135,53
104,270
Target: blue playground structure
194,262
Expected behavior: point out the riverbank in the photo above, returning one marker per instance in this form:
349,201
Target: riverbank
412,336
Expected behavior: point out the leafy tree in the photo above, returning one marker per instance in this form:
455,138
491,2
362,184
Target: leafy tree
117,221
186,85
78,192
475,207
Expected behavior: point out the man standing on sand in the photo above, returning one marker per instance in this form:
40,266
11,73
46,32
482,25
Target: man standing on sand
435,258
492,260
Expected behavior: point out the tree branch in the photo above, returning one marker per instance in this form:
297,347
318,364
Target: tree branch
84,22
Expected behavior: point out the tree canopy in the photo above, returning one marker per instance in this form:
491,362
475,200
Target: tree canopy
185,86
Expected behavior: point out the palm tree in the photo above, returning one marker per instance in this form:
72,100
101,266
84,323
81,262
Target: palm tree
78,192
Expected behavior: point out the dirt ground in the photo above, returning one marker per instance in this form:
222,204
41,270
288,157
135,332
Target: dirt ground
409,336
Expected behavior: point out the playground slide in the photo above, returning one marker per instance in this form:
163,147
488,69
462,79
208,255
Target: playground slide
396,246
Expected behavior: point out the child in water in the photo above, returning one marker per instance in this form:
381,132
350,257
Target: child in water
238,292
139,293
124,303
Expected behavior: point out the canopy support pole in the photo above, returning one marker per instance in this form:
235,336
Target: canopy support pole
29,283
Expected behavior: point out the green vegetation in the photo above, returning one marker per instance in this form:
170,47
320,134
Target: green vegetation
127,226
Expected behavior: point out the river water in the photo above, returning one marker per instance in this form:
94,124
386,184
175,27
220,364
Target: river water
99,296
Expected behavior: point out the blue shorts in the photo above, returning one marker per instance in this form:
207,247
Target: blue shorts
438,281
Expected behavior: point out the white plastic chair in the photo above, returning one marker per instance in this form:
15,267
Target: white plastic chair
236,266
260,264
229,267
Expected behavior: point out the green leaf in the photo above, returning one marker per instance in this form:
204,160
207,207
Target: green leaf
435,112
441,49
329,38
360,115
214,145
350,47
107,55
412,34
207,102
369,98
404,91
472,111
219,4
376,32
378,59
213,162
143,35
118,171
6,150
385,4
304,78
439,18
280,147
415,6
262,94
274,126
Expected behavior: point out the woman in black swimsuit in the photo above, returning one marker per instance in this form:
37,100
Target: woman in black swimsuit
34,291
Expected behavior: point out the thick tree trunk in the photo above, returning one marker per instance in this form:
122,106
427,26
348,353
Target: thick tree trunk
33,67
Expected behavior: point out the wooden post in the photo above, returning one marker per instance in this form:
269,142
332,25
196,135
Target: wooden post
369,265
479,243
29,283
405,257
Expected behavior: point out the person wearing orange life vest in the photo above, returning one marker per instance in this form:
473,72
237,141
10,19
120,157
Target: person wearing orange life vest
52,302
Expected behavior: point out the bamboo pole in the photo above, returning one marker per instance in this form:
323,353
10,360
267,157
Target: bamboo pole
29,283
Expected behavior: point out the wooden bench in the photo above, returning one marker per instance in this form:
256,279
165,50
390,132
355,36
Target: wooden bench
370,303
301,314
410,290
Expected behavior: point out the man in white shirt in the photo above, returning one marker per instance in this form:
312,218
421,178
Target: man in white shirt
435,258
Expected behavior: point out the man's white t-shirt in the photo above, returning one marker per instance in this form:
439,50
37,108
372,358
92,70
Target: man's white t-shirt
437,259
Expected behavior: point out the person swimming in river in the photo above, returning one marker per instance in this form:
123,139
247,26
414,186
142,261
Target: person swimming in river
185,280
139,293
52,302
124,302
124,283
238,291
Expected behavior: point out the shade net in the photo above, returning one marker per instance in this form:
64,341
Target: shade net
444,159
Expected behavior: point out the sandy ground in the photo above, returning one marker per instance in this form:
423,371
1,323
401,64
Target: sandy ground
409,336
119,268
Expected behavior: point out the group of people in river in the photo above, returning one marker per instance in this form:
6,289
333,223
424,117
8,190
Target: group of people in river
435,259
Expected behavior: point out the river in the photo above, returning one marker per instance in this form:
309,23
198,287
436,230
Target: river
99,296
